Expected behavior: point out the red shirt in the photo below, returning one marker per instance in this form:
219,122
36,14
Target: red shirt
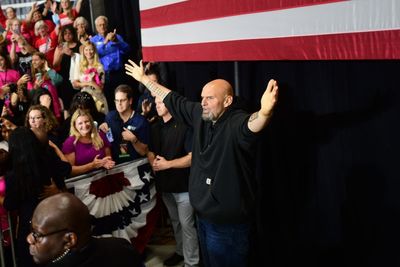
65,20
47,46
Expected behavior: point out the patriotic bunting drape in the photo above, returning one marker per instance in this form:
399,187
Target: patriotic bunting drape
119,199
214,30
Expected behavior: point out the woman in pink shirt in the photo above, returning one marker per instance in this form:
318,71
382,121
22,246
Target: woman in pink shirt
86,148
14,33
44,77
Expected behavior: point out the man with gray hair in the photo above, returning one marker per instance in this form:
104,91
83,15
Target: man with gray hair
112,49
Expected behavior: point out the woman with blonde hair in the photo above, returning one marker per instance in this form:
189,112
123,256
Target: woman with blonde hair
86,148
90,76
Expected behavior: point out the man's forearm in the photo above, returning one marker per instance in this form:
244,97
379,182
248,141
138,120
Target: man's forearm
155,88
258,121
183,162
141,148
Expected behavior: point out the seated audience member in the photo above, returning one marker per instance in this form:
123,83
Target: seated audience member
66,14
82,29
33,165
44,77
112,49
90,76
61,236
130,131
39,116
68,47
82,100
86,149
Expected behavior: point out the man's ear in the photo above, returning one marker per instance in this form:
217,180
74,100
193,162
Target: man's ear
70,239
228,101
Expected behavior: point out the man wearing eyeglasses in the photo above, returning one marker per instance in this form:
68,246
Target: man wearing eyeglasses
127,131
61,236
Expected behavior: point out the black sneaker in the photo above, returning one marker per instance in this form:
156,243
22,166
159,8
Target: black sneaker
175,259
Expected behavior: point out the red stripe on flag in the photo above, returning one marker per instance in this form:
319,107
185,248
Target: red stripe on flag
365,45
108,185
195,10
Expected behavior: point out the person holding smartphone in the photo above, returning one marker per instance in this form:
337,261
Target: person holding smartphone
14,33
130,130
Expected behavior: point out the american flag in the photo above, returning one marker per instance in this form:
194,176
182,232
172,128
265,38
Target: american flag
224,30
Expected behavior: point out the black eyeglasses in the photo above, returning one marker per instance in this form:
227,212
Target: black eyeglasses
38,236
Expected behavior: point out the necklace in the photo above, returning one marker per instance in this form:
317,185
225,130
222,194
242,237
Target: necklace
61,256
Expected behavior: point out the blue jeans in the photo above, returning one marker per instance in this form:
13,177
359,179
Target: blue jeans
223,244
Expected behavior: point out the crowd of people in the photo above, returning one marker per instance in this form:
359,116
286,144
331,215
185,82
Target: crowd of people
64,112
54,74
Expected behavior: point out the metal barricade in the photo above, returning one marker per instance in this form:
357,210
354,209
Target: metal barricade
2,253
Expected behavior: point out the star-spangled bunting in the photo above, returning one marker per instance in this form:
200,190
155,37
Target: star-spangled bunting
118,199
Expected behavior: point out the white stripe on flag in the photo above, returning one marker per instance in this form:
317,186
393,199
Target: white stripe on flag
339,17
148,4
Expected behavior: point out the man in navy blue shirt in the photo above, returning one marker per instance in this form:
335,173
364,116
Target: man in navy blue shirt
130,131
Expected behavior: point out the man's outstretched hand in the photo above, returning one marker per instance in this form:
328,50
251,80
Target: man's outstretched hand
269,98
135,71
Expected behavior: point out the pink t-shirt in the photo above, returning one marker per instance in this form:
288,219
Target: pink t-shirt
26,35
54,95
84,153
9,76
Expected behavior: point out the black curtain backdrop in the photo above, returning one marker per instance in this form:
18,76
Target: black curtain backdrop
327,165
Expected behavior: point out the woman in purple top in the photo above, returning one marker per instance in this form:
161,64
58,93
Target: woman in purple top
86,149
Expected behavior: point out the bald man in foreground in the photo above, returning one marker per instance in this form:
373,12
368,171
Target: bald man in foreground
221,183
61,236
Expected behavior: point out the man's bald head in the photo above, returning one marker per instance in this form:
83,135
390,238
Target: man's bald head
67,211
60,224
220,86
217,96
